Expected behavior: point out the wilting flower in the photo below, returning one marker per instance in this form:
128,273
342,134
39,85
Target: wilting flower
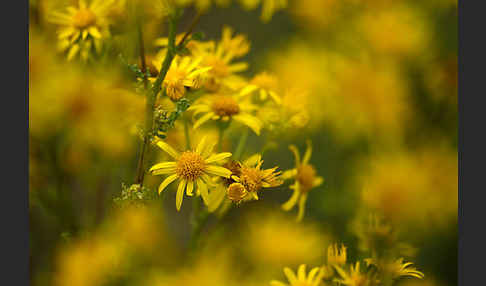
225,108
305,179
82,27
301,279
183,72
192,168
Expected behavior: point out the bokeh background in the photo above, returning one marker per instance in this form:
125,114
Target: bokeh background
381,82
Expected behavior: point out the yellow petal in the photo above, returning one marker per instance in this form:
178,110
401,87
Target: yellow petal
248,89
251,121
218,157
189,188
203,119
301,272
253,160
216,197
167,148
303,199
167,182
93,31
317,182
72,52
180,194
202,144
291,202
164,165
308,152
290,275
296,154
203,189
218,171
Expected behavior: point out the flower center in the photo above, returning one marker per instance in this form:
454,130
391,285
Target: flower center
225,106
84,18
190,166
236,192
251,178
306,175
265,81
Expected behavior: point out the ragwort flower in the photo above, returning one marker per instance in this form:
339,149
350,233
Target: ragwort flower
184,72
305,178
193,169
82,27
301,279
225,108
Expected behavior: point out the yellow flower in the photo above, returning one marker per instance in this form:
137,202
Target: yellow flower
397,268
225,108
354,277
253,178
305,179
192,168
183,72
301,279
265,84
269,7
336,255
219,56
82,27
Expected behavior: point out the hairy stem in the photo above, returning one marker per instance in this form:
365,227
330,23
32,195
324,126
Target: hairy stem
152,97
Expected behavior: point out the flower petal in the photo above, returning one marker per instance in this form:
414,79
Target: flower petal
167,182
218,171
301,272
164,165
292,201
303,199
218,157
290,275
296,154
180,194
168,149
308,153
203,189
203,119
189,188
249,120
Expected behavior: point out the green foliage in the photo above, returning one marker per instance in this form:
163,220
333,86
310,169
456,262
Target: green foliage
133,195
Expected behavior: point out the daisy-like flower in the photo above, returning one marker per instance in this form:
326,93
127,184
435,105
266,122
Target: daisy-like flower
268,9
225,108
305,178
220,56
354,277
397,268
265,84
193,168
183,72
82,27
253,178
246,180
336,255
300,278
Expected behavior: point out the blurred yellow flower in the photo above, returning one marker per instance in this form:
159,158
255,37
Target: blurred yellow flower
397,268
184,72
265,84
336,255
192,168
82,27
225,108
301,279
269,7
305,178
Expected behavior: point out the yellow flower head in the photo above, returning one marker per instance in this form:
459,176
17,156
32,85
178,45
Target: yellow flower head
336,255
266,85
225,108
192,168
82,27
301,279
219,56
305,178
183,72
354,277
397,268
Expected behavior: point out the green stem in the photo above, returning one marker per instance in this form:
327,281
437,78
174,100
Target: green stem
187,135
152,97
241,145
